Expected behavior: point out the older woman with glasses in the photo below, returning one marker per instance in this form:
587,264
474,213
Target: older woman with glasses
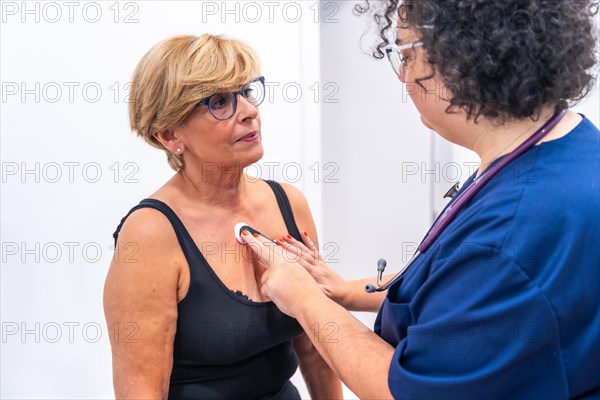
501,301
192,321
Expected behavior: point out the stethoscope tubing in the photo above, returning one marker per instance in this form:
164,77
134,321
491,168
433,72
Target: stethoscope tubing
453,209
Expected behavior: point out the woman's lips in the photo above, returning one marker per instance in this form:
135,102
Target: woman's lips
251,137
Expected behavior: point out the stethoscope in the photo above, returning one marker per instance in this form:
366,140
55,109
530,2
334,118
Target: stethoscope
459,203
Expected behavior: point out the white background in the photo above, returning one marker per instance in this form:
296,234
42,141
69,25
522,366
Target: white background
71,168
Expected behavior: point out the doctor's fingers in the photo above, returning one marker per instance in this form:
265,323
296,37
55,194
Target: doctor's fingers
293,252
308,251
314,264
308,242
264,248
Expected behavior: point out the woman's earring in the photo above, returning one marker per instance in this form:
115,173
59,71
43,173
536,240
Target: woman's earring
179,150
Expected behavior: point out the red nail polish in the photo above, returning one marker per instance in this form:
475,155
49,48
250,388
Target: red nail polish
289,237
305,234
244,232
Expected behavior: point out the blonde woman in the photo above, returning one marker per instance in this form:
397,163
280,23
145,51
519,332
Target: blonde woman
203,328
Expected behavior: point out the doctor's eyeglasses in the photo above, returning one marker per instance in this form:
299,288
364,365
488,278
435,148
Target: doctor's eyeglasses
396,58
223,106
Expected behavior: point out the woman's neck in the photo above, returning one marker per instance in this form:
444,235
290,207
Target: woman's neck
212,184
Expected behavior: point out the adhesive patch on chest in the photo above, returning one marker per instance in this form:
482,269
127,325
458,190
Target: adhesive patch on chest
241,226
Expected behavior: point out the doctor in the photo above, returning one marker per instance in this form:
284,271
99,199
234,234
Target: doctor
504,303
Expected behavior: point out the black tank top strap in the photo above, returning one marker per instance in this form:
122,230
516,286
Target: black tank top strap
286,210
185,241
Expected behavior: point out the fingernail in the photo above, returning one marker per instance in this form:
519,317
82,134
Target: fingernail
244,232
255,235
289,237
305,234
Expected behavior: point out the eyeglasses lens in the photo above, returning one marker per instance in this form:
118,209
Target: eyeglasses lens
223,105
254,93
395,61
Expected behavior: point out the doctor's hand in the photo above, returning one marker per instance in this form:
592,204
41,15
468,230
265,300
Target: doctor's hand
332,284
349,294
286,280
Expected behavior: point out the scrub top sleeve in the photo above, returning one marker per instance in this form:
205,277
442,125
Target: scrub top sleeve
481,330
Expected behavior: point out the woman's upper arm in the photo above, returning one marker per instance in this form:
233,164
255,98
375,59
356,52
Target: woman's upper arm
140,305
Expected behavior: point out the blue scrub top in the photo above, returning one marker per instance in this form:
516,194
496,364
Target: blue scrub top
506,303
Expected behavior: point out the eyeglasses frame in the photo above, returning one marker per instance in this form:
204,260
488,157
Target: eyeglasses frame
206,101
394,48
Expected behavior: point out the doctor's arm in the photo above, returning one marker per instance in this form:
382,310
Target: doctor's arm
349,294
358,356
321,381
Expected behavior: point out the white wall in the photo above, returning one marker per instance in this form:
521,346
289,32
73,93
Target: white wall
375,204
373,135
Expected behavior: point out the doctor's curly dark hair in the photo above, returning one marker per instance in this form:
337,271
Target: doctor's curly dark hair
500,59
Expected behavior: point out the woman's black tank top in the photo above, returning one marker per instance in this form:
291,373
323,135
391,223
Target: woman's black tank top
226,346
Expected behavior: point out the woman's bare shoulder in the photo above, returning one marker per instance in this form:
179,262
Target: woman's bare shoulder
146,224
147,242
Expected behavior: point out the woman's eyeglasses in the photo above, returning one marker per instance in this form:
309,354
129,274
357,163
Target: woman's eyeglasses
222,106
397,59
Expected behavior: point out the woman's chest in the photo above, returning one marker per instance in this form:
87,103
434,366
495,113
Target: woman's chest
234,263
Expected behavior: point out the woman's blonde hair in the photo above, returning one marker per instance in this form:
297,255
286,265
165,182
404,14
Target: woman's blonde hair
176,73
